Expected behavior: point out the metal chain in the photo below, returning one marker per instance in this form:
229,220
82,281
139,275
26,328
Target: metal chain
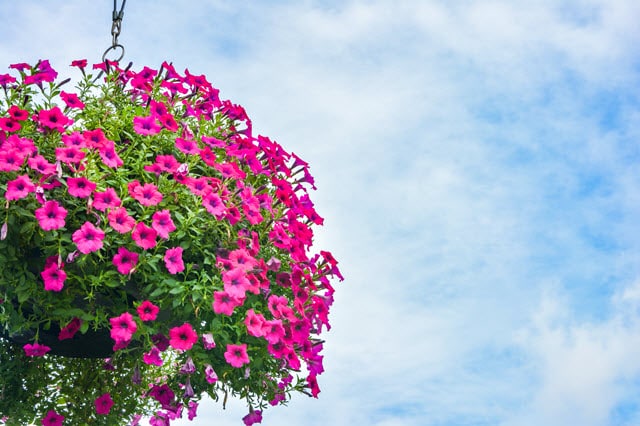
116,27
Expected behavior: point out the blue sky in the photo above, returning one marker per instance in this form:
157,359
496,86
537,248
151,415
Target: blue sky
478,168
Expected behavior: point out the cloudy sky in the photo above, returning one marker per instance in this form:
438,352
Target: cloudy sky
478,168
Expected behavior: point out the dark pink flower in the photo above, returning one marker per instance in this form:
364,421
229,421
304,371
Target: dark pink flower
123,327
254,323
253,417
198,186
162,223
19,188
224,303
210,374
214,205
146,126
147,194
104,404
80,187
53,277
11,160
51,215
153,357
103,200
187,146
125,260
52,419
18,113
163,394
69,155
236,355
109,155
144,236
183,337
235,282
173,260
9,125
35,349
88,238
95,138
71,100
40,164
147,311
53,119
120,220
208,341
80,63
157,109
70,329
192,411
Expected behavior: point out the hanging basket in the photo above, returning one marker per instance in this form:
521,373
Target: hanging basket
152,250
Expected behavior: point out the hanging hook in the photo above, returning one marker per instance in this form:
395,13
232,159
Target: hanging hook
116,27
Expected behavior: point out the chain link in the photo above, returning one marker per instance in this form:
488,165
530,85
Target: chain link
116,28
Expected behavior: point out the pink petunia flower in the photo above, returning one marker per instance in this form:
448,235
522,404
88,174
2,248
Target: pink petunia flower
74,139
123,327
125,261
210,374
88,238
147,194
162,223
187,146
254,323
103,200
147,311
214,205
163,394
236,355
11,160
120,220
153,357
69,155
144,236
224,303
51,215
70,329
53,119
80,187
109,155
19,188
208,342
41,165
146,126
53,277
103,404
169,122
18,113
95,138
71,100
35,349
52,419
192,410
235,282
198,186
173,260
183,337
253,417
9,125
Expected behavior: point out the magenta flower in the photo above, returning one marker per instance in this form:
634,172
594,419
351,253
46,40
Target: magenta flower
9,125
198,186
163,394
18,113
19,188
235,282
123,327
69,155
253,417
125,261
214,205
152,357
70,330
183,337
74,139
120,220
146,126
53,277
187,146
254,323
192,410
144,236
88,238
210,374
95,138
52,419
53,119
147,194
106,199
173,260
236,355
109,155
147,311
162,223
104,404
71,100
208,341
35,349
11,160
80,63
51,216
80,187
40,164
224,303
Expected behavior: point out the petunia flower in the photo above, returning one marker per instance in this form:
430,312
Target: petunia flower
153,357
147,311
146,126
208,341
103,404
18,113
123,327
162,223
88,238
51,215
103,200
52,419
253,417
173,260
214,205
236,355
35,349
187,146
162,393
254,323
9,125
53,119
109,155
70,329
147,194
125,260
210,374
11,160
235,282
80,187
224,303
41,165
144,236
183,337
95,138
19,188
69,155
71,100
188,367
120,220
